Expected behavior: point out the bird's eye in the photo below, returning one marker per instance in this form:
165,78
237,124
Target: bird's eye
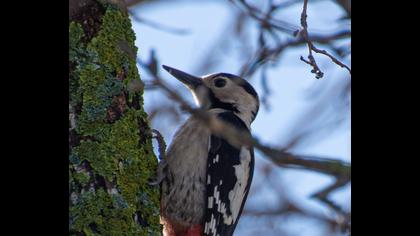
219,83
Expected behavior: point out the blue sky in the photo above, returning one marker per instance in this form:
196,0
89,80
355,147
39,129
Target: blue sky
288,81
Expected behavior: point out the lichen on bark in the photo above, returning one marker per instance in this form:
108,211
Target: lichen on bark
111,157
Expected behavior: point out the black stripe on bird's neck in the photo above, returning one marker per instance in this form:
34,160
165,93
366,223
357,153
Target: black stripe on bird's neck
216,103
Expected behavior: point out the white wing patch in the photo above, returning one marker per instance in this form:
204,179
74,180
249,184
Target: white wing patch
209,144
215,160
228,220
237,194
210,226
210,203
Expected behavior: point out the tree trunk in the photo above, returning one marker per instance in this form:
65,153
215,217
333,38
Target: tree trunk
111,158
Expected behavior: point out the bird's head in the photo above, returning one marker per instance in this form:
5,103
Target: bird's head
221,90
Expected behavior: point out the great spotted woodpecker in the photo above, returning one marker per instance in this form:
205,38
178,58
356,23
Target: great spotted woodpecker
207,179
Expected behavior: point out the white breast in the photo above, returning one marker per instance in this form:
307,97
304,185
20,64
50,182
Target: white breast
187,162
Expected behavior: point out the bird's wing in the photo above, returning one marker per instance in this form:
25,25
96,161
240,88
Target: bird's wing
229,175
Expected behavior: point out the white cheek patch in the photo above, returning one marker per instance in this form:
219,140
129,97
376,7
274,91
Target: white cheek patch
246,105
247,111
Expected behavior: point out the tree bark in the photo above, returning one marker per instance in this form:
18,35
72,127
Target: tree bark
111,157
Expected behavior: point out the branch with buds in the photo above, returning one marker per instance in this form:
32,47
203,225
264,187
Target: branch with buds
311,47
270,26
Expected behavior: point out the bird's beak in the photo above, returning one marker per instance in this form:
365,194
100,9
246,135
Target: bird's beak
192,82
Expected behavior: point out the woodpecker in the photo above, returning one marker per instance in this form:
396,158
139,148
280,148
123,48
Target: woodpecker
206,179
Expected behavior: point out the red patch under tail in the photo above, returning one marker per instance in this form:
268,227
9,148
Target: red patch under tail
195,230
173,229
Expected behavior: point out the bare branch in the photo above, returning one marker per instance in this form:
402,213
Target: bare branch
346,5
134,3
263,55
339,169
311,60
322,195
265,19
157,25
335,60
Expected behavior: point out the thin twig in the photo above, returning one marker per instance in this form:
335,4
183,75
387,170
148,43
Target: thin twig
335,60
265,19
157,25
311,47
265,54
322,195
280,157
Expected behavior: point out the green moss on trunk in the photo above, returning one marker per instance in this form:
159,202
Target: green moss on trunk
111,156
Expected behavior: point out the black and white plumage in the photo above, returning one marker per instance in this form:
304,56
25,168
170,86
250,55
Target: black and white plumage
206,178
229,176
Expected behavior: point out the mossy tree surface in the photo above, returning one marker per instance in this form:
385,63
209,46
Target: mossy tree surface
111,158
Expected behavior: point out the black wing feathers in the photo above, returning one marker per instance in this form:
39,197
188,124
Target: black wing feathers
221,179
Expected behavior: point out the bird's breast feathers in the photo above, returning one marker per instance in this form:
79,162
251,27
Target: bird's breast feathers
207,178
